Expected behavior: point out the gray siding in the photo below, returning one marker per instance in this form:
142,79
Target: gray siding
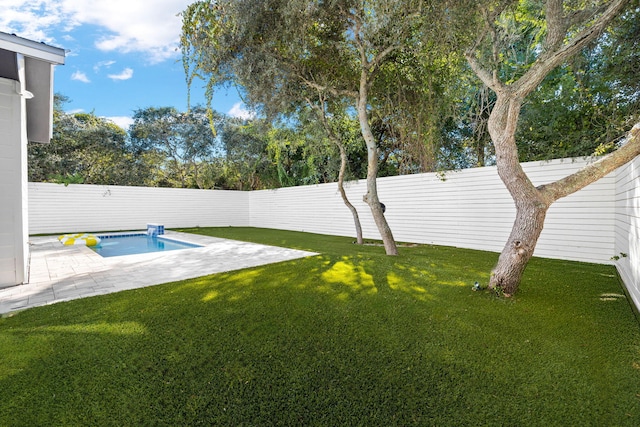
13,247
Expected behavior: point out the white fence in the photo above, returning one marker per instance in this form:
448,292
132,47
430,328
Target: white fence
55,208
469,208
627,227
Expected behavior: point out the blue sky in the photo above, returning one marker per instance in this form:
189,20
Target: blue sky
122,55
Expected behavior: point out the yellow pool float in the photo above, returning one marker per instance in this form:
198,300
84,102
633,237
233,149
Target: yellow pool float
79,239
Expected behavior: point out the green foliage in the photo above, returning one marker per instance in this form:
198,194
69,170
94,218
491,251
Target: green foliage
583,106
246,164
67,179
84,148
417,94
348,337
465,135
283,53
580,109
617,257
184,141
265,154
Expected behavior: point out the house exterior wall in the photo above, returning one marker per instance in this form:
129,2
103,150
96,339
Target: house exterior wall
627,227
56,208
39,81
27,66
13,186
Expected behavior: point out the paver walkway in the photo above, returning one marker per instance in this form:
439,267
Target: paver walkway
62,273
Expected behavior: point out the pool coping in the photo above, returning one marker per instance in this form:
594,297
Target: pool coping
61,273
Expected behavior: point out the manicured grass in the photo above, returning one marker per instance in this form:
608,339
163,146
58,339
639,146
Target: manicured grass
349,337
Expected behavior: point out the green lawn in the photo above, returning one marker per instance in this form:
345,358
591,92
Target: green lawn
349,337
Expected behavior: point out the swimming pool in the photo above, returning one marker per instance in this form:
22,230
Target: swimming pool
132,244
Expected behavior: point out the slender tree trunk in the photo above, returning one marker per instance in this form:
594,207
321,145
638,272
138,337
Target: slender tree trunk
343,194
371,197
344,161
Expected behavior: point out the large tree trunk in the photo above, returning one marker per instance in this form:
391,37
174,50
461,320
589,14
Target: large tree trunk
531,208
343,194
371,197
513,260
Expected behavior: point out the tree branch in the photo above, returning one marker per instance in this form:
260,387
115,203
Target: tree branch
485,75
374,64
323,88
556,25
489,78
358,40
321,112
550,60
593,172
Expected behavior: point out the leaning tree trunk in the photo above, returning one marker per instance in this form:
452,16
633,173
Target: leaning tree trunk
344,161
371,197
519,248
531,206
533,202
343,193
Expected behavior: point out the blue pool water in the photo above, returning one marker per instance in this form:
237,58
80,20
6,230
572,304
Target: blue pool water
131,244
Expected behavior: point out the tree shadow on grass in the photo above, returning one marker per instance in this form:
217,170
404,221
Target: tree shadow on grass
346,277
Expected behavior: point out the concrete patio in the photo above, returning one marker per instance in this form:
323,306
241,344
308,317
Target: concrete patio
61,273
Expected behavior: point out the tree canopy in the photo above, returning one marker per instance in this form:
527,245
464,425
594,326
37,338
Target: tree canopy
427,113
281,53
168,148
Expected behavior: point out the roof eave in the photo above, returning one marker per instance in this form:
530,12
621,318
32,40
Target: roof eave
32,49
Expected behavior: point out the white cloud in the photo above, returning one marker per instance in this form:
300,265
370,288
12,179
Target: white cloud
123,121
152,28
80,76
26,19
239,111
101,64
126,74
